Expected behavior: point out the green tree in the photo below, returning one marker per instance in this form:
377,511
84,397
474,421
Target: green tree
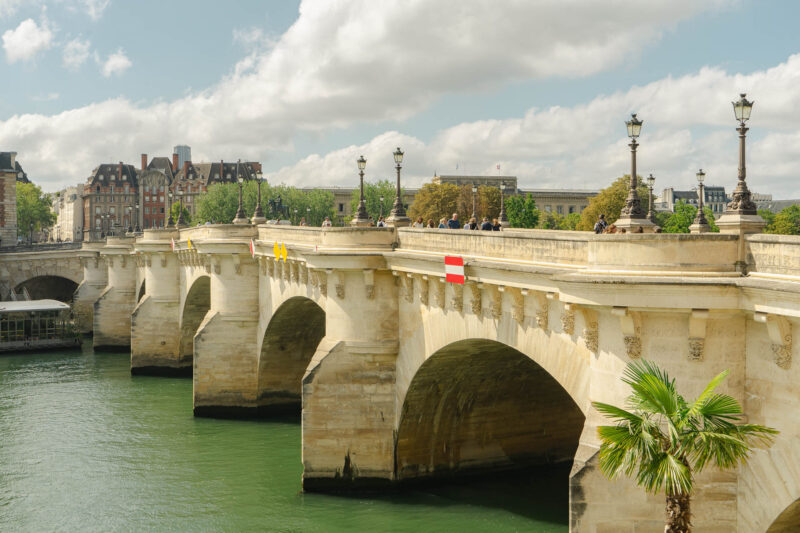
187,216
487,202
435,201
610,202
220,202
769,218
787,222
662,440
521,211
33,209
551,220
372,198
683,217
571,221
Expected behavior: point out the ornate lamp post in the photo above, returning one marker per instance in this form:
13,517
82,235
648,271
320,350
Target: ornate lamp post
361,218
170,221
632,215
398,216
651,215
700,224
503,218
741,203
258,214
474,200
308,215
240,218
381,213
130,215
181,221
741,215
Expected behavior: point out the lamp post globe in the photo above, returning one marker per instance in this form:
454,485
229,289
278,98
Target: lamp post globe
398,217
474,200
361,218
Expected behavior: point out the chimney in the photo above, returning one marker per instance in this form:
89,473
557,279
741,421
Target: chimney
175,162
144,161
13,157
119,172
221,171
186,169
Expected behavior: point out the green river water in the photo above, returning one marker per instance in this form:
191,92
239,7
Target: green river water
86,447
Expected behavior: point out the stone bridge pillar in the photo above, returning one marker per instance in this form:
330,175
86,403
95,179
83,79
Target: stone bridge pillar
348,389
95,279
155,323
112,311
225,369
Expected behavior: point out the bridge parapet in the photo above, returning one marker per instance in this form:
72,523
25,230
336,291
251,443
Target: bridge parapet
775,256
650,254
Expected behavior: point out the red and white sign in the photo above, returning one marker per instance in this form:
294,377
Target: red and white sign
173,244
252,249
454,269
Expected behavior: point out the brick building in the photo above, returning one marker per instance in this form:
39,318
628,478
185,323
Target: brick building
8,198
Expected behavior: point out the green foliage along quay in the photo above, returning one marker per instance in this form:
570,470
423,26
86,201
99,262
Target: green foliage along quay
220,202
372,198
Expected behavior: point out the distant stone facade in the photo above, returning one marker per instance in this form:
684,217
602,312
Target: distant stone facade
68,207
8,199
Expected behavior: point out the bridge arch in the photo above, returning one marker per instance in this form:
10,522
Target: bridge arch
195,306
479,405
48,286
142,290
292,335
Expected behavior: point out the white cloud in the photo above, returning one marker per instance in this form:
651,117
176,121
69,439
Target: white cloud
9,7
95,8
26,41
116,64
75,53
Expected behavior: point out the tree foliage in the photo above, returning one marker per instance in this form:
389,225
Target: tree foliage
787,222
33,207
521,211
610,202
769,218
220,202
187,216
372,198
683,217
662,440
435,201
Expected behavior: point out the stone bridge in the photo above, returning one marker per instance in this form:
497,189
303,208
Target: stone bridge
51,273
400,376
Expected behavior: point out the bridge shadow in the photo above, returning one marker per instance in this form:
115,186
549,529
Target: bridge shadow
539,494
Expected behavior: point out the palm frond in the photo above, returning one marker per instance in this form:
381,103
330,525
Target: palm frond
700,401
616,413
665,472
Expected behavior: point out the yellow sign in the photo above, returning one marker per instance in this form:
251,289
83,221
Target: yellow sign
276,250
189,242
284,253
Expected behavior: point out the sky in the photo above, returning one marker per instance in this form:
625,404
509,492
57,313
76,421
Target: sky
540,87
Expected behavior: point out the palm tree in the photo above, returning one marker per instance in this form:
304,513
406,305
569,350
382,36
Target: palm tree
663,441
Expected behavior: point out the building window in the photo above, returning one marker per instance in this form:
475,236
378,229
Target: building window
97,210
571,209
161,198
112,210
162,210
560,209
98,189
548,208
341,208
146,210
